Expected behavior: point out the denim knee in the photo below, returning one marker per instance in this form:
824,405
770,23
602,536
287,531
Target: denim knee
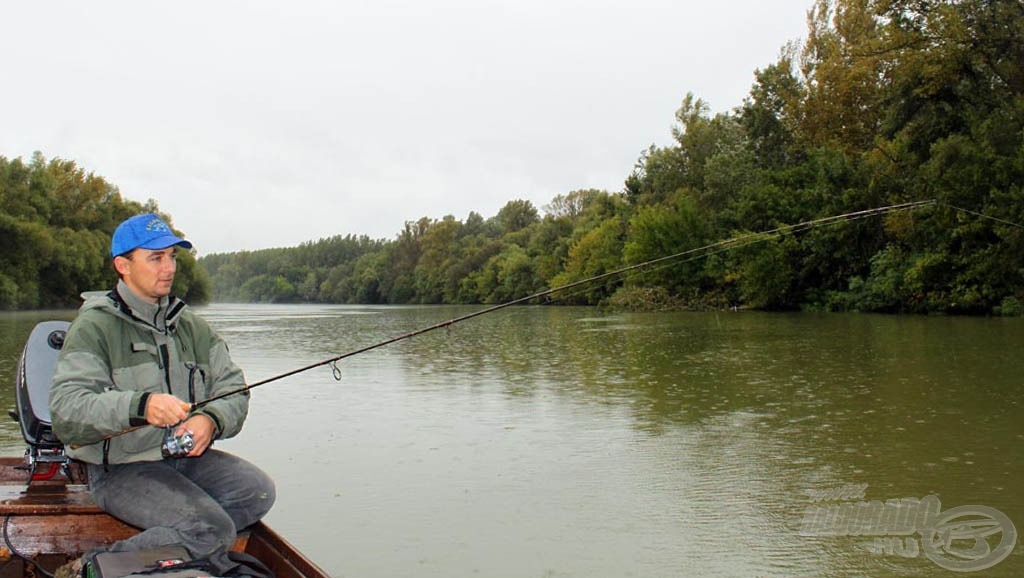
212,532
252,501
264,497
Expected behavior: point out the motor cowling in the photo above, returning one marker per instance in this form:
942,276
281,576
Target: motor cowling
32,388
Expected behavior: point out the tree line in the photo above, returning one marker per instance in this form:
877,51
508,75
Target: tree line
56,221
886,101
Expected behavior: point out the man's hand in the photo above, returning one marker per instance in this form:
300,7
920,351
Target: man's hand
163,409
202,428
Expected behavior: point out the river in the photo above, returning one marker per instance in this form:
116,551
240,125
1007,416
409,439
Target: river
550,442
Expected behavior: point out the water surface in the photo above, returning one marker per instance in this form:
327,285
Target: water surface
558,442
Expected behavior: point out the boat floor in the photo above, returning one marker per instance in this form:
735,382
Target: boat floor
53,521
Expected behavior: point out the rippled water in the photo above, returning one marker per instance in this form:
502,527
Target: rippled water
556,442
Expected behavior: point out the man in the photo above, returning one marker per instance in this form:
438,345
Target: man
137,357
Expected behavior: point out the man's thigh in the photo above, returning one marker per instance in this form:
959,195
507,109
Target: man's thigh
244,491
150,494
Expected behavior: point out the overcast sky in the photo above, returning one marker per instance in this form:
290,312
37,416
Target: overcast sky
261,123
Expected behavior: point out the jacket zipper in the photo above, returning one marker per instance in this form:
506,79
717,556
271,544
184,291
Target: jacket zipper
192,368
165,359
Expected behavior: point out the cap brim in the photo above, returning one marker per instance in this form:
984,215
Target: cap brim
165,242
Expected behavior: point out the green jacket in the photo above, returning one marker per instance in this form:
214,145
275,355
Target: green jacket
119,350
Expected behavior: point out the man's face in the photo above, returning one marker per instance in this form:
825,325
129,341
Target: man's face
149,274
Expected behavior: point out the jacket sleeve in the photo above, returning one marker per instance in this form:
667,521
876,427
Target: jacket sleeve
228,414
84,405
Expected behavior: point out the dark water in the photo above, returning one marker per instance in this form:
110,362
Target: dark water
557,442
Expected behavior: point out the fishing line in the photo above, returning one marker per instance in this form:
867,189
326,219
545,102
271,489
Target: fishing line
645,270
983,216
747,240
692,254
653,264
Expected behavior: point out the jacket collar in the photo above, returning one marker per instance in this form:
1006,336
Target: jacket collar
161,315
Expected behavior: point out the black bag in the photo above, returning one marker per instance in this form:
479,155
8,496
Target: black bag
246,566
175,562
168,562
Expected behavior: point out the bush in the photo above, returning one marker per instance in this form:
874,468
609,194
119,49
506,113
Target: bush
1010,307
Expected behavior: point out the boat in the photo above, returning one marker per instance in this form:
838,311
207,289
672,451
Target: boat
48,514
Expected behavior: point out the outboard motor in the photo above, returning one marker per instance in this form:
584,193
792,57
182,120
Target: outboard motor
32,394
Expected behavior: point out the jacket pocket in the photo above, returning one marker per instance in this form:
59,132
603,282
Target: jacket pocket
143,371
140,377
135,442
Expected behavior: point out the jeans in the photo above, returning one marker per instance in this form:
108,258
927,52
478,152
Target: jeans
199,503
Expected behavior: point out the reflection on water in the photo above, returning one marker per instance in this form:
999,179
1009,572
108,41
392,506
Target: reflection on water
569,442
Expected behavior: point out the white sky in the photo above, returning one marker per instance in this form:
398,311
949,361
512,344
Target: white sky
262,123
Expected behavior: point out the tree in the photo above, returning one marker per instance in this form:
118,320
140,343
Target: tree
658,173
438,253
844,73
886,101
765,272
573,205
669,229
56,221
516,215
769,114
596,252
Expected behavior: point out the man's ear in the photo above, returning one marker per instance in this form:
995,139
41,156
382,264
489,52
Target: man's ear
122,265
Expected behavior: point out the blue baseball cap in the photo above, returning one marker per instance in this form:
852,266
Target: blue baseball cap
144,232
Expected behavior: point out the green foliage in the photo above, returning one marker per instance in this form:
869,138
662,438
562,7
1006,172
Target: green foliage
672,228
886,101
1010,307
516,215
268,289
765,273
506,276
644,299
341,269
55,222
596,252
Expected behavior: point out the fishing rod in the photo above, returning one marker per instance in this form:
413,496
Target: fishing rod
718,246
698,252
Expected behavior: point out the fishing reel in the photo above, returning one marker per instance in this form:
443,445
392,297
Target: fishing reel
175,446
